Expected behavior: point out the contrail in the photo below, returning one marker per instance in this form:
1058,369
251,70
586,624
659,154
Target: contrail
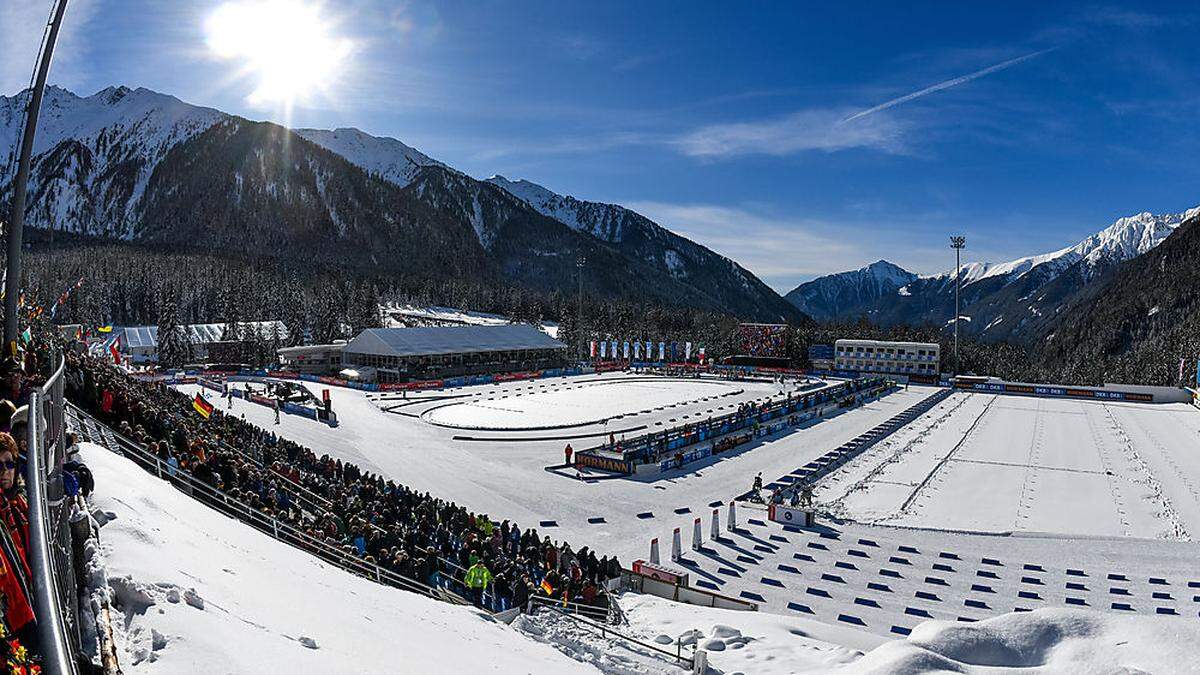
946,85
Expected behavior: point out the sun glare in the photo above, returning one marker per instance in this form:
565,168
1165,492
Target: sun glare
286,47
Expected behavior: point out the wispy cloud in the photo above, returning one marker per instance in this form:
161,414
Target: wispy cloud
782,252
946,84
785,251
21,28
1124,18
814,129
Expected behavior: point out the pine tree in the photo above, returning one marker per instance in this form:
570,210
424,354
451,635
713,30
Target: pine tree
173,344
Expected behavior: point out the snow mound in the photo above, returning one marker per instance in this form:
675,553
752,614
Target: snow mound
1048,640
194,591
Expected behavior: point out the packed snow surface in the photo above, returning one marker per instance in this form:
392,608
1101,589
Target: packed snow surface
198,592
744,643
1008,463
575,405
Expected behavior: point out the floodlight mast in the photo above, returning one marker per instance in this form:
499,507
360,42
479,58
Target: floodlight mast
16,223
958,243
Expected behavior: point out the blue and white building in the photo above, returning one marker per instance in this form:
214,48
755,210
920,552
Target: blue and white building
897,358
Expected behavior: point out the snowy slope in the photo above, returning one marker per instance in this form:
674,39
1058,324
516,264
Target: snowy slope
604,223
201,593
93,156
387,157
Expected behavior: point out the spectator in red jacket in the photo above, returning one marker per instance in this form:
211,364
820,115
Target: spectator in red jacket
14,533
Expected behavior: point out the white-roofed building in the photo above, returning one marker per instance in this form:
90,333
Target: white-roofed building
400,354
139,344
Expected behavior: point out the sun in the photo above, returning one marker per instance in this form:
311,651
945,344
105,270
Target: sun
287,48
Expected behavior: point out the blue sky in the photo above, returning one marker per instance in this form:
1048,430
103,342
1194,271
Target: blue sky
729,122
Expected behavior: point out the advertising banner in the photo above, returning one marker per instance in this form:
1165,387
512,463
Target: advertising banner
789,516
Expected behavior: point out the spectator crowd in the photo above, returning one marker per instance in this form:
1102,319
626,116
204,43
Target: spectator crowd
762,340
497,565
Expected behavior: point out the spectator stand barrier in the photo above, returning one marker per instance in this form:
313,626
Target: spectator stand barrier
599,614
54,600
658,448
281,531
639,582
540,603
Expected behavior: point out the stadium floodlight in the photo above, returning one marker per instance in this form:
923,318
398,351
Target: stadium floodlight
958,243
579,263
16,229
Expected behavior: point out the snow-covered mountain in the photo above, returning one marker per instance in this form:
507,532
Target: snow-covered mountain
1126,238
641,238
1015,299
145,166
386,157
93,156
603,221
824,297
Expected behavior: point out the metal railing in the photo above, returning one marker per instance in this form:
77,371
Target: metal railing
605,631
55,600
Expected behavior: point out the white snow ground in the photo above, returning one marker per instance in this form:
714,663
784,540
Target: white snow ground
996,463
547,406
198,592
745,643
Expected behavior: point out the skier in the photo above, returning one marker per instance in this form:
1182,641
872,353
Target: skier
567,453
757,489
276,411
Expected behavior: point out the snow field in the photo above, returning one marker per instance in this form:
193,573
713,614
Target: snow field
888,580
994,463
742,643
544,406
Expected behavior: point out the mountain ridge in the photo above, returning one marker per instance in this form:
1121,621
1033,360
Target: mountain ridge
115,164
1011,300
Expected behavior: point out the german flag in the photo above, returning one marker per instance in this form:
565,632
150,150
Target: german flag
548,588
203,407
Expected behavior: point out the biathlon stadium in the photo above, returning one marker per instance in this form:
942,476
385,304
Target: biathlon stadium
852,506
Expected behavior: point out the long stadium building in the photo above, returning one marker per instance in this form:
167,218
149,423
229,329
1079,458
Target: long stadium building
401,354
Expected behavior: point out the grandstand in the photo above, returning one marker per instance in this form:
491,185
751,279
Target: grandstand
429,353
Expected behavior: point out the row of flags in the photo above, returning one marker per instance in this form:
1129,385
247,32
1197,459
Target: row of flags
612,349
